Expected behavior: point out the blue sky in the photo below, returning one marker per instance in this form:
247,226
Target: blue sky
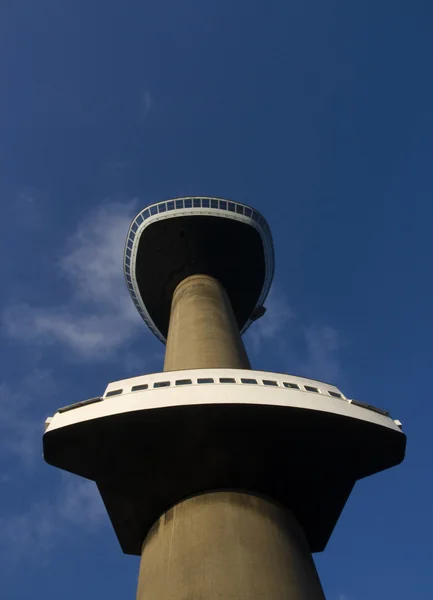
317,113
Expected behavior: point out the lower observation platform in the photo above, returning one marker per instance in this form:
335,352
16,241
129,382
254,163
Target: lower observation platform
154,440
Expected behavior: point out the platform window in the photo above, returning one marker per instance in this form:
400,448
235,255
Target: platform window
231,206
128,252
270,382
170,205
129,244
335,394
113,393
162,207
246,380
160,384
179,203
239,209
134,227
145,214
223,204
205,380
214,203
311,388
127,261
197,203
227,380
248,212
137,388
139,219
293,386
188,203
183,382
205,202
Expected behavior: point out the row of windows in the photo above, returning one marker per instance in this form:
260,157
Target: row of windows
244,380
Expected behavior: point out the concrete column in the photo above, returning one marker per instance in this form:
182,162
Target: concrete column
227,546
203,332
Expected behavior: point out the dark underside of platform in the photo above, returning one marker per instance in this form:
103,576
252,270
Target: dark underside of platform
175,248
146,461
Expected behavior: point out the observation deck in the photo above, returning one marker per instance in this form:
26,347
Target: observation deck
169,241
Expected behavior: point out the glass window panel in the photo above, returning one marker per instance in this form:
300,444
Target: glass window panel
127,260
239,209
245,380
334,394
179,203
214,203
113,393
145,214
134,227
142,386
162,207
205,202
270,382
248,212
227,380
153,210
160,384
183,381
256,216
170,205
128,252
188,203
311,388
205,380
197,202
294,386
223,205
231,206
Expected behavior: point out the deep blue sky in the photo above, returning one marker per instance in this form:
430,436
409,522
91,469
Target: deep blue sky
319,114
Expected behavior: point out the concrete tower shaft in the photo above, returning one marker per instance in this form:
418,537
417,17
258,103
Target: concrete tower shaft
229,546
217,545
203,332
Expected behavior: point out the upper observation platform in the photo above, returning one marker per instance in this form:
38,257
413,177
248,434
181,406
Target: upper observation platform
171,240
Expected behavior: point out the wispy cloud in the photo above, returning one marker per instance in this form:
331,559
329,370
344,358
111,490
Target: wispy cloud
323,345
309,350
278,315
20,429
100,317
39,529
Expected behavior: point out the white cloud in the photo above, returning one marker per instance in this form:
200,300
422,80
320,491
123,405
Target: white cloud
308,350
323,345
100,317
37,530
21,431
277,316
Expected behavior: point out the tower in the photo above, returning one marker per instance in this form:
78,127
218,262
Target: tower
223,478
